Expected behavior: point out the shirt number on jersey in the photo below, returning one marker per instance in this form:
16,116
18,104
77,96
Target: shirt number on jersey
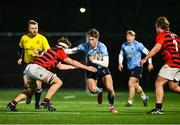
175,42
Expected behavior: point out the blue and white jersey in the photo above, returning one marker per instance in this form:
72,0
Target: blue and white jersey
97,53
132,52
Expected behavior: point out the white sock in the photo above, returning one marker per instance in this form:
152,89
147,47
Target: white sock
130,101
143,97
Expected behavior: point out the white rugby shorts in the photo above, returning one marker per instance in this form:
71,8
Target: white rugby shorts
35,72
170,73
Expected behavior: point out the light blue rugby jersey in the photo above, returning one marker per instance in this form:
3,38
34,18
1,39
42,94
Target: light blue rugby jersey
101,49
133,53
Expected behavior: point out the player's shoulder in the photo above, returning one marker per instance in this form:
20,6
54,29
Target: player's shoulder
83,44
24,36
124,44
101,44
41,36
137,43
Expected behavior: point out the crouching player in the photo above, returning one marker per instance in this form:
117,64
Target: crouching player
39,70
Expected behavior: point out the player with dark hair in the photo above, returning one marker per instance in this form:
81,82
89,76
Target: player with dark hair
30,47
97,55
169,44
39,70
132,50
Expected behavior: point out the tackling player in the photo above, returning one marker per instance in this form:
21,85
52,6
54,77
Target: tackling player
39,70
30,47
97,55
169,44
132,50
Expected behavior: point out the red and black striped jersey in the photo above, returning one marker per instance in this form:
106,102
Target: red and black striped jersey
170,48
51,58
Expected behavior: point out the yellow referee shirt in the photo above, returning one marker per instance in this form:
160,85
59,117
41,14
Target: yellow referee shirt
32,46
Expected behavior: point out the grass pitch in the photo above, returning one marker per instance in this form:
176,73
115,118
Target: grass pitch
80,107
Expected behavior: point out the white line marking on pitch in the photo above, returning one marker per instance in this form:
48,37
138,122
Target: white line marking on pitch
70,113
69,97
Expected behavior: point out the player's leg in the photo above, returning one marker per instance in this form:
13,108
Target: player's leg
92,86
165,75
131,84
38,94
174,86
92,82
55,83
159,92
108,82
140,91
28,99
23,95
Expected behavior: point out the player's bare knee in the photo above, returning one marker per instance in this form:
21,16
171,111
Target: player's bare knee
57,82
53,79
92,89
38,88
173,87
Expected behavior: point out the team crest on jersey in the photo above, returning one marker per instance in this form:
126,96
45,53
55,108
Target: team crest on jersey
97,56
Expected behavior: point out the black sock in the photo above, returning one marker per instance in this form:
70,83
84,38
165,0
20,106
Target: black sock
158,105
111,99
37,97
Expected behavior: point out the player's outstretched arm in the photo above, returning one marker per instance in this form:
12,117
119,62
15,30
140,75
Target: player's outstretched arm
61,66
79,65
153,52
71,51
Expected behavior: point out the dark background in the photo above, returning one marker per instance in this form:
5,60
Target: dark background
112,18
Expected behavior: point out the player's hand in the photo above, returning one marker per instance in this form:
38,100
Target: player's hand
19,61
120,67
92,69
150,67
143,61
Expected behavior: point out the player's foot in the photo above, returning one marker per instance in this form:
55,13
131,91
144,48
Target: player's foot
156,111
37,106
28,100
128,105
113,110
145,101
49,106
11,107
100,96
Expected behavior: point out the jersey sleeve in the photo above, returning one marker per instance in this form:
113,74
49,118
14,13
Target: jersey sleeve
159,39
140,46
104,51
45,43
61,54
21,42
81,47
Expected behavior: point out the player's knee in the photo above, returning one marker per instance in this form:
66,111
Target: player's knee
57,82
139,89
38,88
173,87
92,89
